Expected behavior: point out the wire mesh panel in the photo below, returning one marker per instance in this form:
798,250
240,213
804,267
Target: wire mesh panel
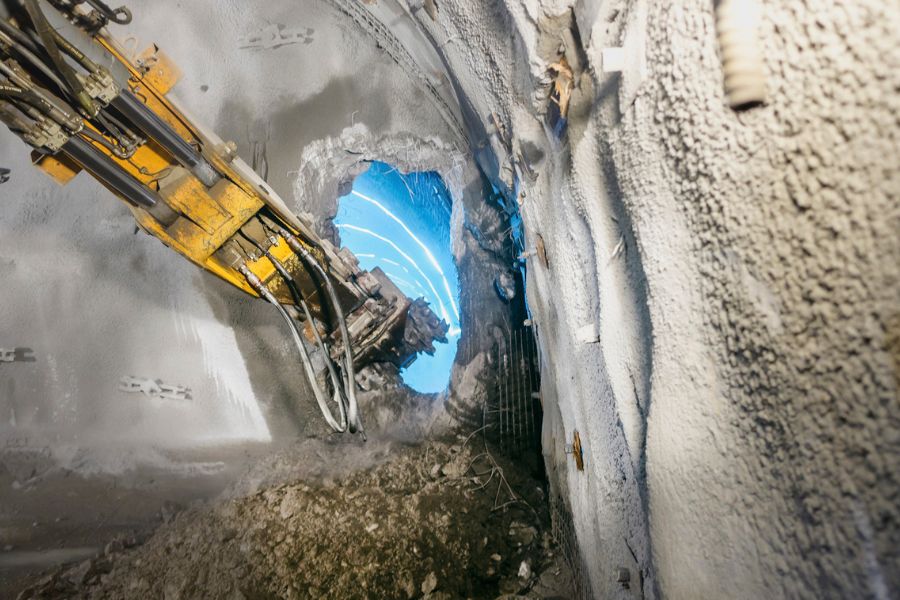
564,534
514,407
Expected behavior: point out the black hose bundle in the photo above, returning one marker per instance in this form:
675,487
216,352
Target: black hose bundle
48,37
338,383
301,302
355,421
321,397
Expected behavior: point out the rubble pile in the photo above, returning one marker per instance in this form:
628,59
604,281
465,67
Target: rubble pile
443,520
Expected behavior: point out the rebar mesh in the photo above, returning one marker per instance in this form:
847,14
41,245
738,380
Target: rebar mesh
514,412
564,534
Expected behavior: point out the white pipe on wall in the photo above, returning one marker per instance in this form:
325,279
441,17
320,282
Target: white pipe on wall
737,23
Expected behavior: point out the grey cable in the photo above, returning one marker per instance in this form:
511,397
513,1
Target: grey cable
354,417
339,395
340,398
256,284
310,372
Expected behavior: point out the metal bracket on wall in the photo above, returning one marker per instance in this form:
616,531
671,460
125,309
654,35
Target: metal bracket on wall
153,388
17,355
542,251
576,451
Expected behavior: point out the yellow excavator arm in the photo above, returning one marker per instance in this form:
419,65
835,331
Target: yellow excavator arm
189,189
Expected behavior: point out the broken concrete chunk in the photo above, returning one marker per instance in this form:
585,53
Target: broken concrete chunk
430,583
522,534
525,570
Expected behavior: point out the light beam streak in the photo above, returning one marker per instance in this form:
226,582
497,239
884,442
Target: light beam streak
415,265
425,249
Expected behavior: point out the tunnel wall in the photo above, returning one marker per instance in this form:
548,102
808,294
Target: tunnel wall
95,300
718,319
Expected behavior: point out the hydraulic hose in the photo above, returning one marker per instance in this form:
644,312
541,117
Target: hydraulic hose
48,36
50,105
336,382
12,119
20,37
28,50
350,375
120,16
128,142
117,151
76,54
11,92
108,120
298,298
311,374
263,291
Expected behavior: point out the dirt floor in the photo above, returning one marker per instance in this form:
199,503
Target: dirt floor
386,519
52,514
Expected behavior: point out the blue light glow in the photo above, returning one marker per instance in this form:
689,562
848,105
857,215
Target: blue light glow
401,223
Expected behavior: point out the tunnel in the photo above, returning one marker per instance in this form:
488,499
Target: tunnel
562,299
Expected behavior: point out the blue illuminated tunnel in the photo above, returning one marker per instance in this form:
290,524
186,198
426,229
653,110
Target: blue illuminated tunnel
401,223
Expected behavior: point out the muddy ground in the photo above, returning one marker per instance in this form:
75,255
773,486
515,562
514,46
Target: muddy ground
388,519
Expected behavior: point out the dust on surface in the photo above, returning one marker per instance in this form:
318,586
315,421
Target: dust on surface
438,520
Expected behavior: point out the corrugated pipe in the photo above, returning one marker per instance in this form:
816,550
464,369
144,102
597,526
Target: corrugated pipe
737,22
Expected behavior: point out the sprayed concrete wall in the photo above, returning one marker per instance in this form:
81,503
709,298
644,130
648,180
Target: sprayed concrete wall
718,315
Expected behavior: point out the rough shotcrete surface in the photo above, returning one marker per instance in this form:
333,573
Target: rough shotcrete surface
794,214
719,319
421,524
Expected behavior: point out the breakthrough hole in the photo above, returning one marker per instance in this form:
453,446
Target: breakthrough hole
401,223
